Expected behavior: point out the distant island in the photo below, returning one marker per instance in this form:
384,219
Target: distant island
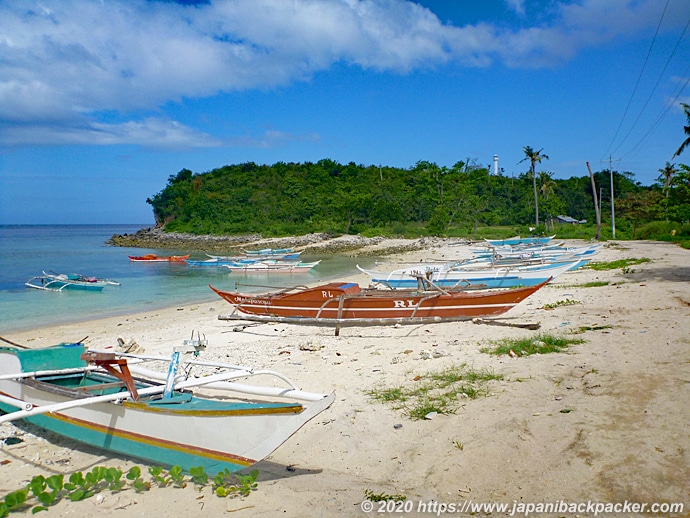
237,204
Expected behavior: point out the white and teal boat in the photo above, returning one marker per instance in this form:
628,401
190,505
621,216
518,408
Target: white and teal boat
517,240
110,401
68,281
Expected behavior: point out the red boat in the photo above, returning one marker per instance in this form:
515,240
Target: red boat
343,303
158,259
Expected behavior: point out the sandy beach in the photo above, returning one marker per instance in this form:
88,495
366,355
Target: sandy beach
604,421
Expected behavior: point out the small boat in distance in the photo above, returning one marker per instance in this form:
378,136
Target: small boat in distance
517,240
109,401
153,258
271,266
68,281
269,251
219,261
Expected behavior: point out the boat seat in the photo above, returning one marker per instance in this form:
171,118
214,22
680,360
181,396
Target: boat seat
110,363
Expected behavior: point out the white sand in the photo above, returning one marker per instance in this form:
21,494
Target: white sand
626,393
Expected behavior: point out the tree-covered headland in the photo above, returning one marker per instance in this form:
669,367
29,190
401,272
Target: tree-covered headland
286,199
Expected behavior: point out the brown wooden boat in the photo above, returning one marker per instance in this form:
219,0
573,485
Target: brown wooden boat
341,303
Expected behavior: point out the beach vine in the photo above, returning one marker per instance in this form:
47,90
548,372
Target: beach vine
437,392
525,346
41,492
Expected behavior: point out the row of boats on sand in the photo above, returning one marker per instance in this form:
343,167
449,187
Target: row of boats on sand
491,283
117,402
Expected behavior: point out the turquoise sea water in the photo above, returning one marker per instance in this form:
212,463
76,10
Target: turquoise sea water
27,250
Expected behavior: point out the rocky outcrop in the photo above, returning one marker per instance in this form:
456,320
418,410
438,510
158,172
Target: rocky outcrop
317,243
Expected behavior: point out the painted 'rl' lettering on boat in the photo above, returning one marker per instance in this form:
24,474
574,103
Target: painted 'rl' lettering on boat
404,303
326,294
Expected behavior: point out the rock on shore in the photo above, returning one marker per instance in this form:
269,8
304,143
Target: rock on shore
317,243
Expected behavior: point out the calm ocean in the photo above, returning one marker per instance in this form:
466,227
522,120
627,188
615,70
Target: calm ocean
27,250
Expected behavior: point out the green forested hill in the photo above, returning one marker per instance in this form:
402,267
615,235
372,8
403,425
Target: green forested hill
298,198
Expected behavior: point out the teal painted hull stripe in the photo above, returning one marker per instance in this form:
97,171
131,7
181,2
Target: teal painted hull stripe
149,449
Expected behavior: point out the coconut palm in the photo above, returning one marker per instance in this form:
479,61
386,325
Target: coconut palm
686,129
546,183
534,157
667,175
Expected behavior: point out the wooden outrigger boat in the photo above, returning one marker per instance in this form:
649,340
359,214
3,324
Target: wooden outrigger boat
267,252
272,266
343,303
109,401
221,261
68,281
517,240
153,258
452,276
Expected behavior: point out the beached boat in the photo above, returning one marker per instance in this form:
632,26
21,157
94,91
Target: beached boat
459,276
265,252
534,253
272,266
517,240
345,303
500,260
68,281
220,261
212,262
153,258
109,401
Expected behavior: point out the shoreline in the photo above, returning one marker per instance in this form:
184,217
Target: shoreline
603,421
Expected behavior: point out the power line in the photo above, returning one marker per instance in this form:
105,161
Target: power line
639,78
661,116
655,86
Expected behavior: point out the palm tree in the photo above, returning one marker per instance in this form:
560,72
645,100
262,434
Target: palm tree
667,175
548,186
686,129
534,157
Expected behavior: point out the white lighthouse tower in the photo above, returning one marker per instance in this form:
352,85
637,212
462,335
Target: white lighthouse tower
495,165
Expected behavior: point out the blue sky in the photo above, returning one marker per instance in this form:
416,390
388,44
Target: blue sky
100,102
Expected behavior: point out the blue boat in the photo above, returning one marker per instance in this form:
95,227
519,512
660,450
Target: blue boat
458,277
517,240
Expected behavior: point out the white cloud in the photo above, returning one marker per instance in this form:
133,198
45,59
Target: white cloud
65,62
516,5
151,132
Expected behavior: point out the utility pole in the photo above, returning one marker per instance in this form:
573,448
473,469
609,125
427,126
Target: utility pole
613,211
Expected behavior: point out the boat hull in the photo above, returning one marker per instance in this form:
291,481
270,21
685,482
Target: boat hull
186,431
272,267
343,301
57,285
152,258
517,241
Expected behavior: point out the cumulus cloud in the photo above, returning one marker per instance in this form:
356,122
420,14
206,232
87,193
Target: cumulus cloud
66,62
